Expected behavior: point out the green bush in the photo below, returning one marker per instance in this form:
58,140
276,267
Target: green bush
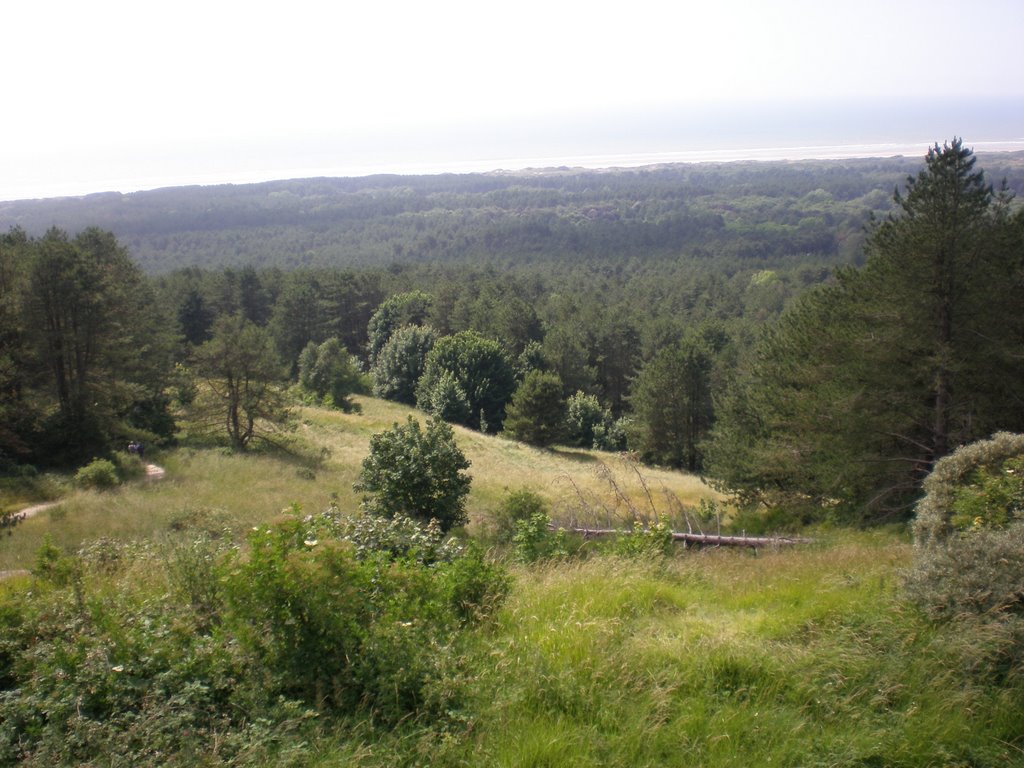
974,574
969,541
199,653
353,629
418,473
644,543
99,474
955,489
400,537
535,540
516,506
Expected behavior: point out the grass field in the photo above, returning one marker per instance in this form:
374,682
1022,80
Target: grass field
215,489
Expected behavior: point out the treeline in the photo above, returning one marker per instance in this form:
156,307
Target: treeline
736,215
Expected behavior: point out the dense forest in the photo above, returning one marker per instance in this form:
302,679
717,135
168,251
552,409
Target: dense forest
735,214
618,309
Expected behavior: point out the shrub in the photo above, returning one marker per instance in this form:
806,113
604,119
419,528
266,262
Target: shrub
969,538
535,540
99,474
955,489
400,537
348,629
418,473
644,543
515,507
976,573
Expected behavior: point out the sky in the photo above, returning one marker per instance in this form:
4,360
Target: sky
127,95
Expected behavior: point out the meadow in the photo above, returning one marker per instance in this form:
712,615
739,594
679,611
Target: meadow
805,656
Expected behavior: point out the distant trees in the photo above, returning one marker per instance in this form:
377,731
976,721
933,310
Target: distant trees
864,384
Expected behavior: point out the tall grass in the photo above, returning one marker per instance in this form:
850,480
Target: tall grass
800,658
213,489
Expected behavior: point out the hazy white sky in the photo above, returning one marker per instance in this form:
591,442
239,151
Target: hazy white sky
111,94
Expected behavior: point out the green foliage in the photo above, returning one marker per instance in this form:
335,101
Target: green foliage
584,414
516,506
482,372
242,375
672,404
536,414
958,483
53,565
365,631
445,399
205,653
329,371
651,542
84,341
400,363
534,539
400,537
972,574
99,474
864,384
417,473
993,497
969,535
395,312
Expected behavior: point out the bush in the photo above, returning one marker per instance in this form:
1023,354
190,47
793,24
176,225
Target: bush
417,473
535,540
644,543
515,507
400,537
976,573
99,474
969,540
348,629
955,489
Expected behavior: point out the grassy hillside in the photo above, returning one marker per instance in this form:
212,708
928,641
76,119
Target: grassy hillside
214,489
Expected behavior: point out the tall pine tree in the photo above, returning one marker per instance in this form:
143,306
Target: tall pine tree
864,384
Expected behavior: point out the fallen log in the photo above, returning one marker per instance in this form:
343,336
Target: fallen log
707,539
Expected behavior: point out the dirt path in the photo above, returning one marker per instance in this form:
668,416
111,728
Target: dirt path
153,472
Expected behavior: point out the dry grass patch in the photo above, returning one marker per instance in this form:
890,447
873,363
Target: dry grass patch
213,489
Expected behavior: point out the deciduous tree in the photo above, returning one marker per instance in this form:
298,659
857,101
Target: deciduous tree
418,473
481,370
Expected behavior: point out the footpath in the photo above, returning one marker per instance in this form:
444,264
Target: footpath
153,472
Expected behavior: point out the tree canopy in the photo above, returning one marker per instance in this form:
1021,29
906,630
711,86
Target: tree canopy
417,473
867,382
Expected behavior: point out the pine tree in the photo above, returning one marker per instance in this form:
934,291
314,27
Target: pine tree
864,384
536,414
